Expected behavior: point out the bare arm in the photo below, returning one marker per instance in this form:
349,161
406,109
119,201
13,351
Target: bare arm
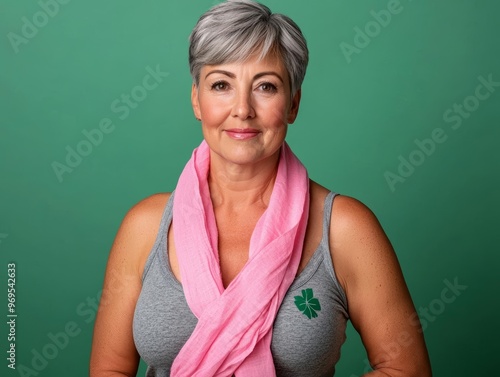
113,350
379,303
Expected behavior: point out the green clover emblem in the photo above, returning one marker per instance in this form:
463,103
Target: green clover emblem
307,304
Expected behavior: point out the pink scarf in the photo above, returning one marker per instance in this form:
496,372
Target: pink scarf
234,330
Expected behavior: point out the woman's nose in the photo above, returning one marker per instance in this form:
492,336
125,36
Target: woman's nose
243,107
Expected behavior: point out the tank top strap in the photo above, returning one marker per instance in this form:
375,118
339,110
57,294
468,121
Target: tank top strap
327,214
325,246
161,237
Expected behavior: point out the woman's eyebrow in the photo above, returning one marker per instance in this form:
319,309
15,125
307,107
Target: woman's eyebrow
227,73
232,75
258,75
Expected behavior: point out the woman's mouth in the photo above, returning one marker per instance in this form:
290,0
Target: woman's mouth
242,133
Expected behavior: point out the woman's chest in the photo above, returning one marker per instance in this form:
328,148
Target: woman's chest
307,334
233,244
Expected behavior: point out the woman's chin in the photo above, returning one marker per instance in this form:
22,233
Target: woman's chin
241,156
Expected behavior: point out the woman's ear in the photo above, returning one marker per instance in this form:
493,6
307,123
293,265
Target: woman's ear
294,107
194,102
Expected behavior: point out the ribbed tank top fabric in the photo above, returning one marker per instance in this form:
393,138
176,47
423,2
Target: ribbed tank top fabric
308,331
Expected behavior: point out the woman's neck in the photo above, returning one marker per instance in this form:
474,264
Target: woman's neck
237,186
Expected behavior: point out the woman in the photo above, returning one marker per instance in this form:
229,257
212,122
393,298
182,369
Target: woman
248,269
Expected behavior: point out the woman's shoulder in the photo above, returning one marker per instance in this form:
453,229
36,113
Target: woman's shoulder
146,214
356,238
139,228
347,213
151,206
346,208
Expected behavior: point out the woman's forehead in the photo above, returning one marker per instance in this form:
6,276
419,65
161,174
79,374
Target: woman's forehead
270,62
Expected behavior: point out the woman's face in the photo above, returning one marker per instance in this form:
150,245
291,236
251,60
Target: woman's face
245,109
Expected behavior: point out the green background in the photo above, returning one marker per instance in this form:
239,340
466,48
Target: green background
357,118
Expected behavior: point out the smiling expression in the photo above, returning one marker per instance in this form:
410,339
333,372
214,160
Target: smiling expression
245,108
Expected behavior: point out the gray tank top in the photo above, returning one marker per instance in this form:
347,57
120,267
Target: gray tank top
308,331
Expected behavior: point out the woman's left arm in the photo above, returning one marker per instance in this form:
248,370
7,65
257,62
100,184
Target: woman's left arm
380,306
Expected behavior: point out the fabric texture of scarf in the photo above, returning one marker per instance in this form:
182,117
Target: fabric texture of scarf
234,329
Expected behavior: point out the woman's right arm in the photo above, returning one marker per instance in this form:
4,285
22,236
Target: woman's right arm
113,350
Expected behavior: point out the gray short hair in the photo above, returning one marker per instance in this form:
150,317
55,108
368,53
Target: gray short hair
234,30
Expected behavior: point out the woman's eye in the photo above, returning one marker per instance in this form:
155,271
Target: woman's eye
268,87
219,86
